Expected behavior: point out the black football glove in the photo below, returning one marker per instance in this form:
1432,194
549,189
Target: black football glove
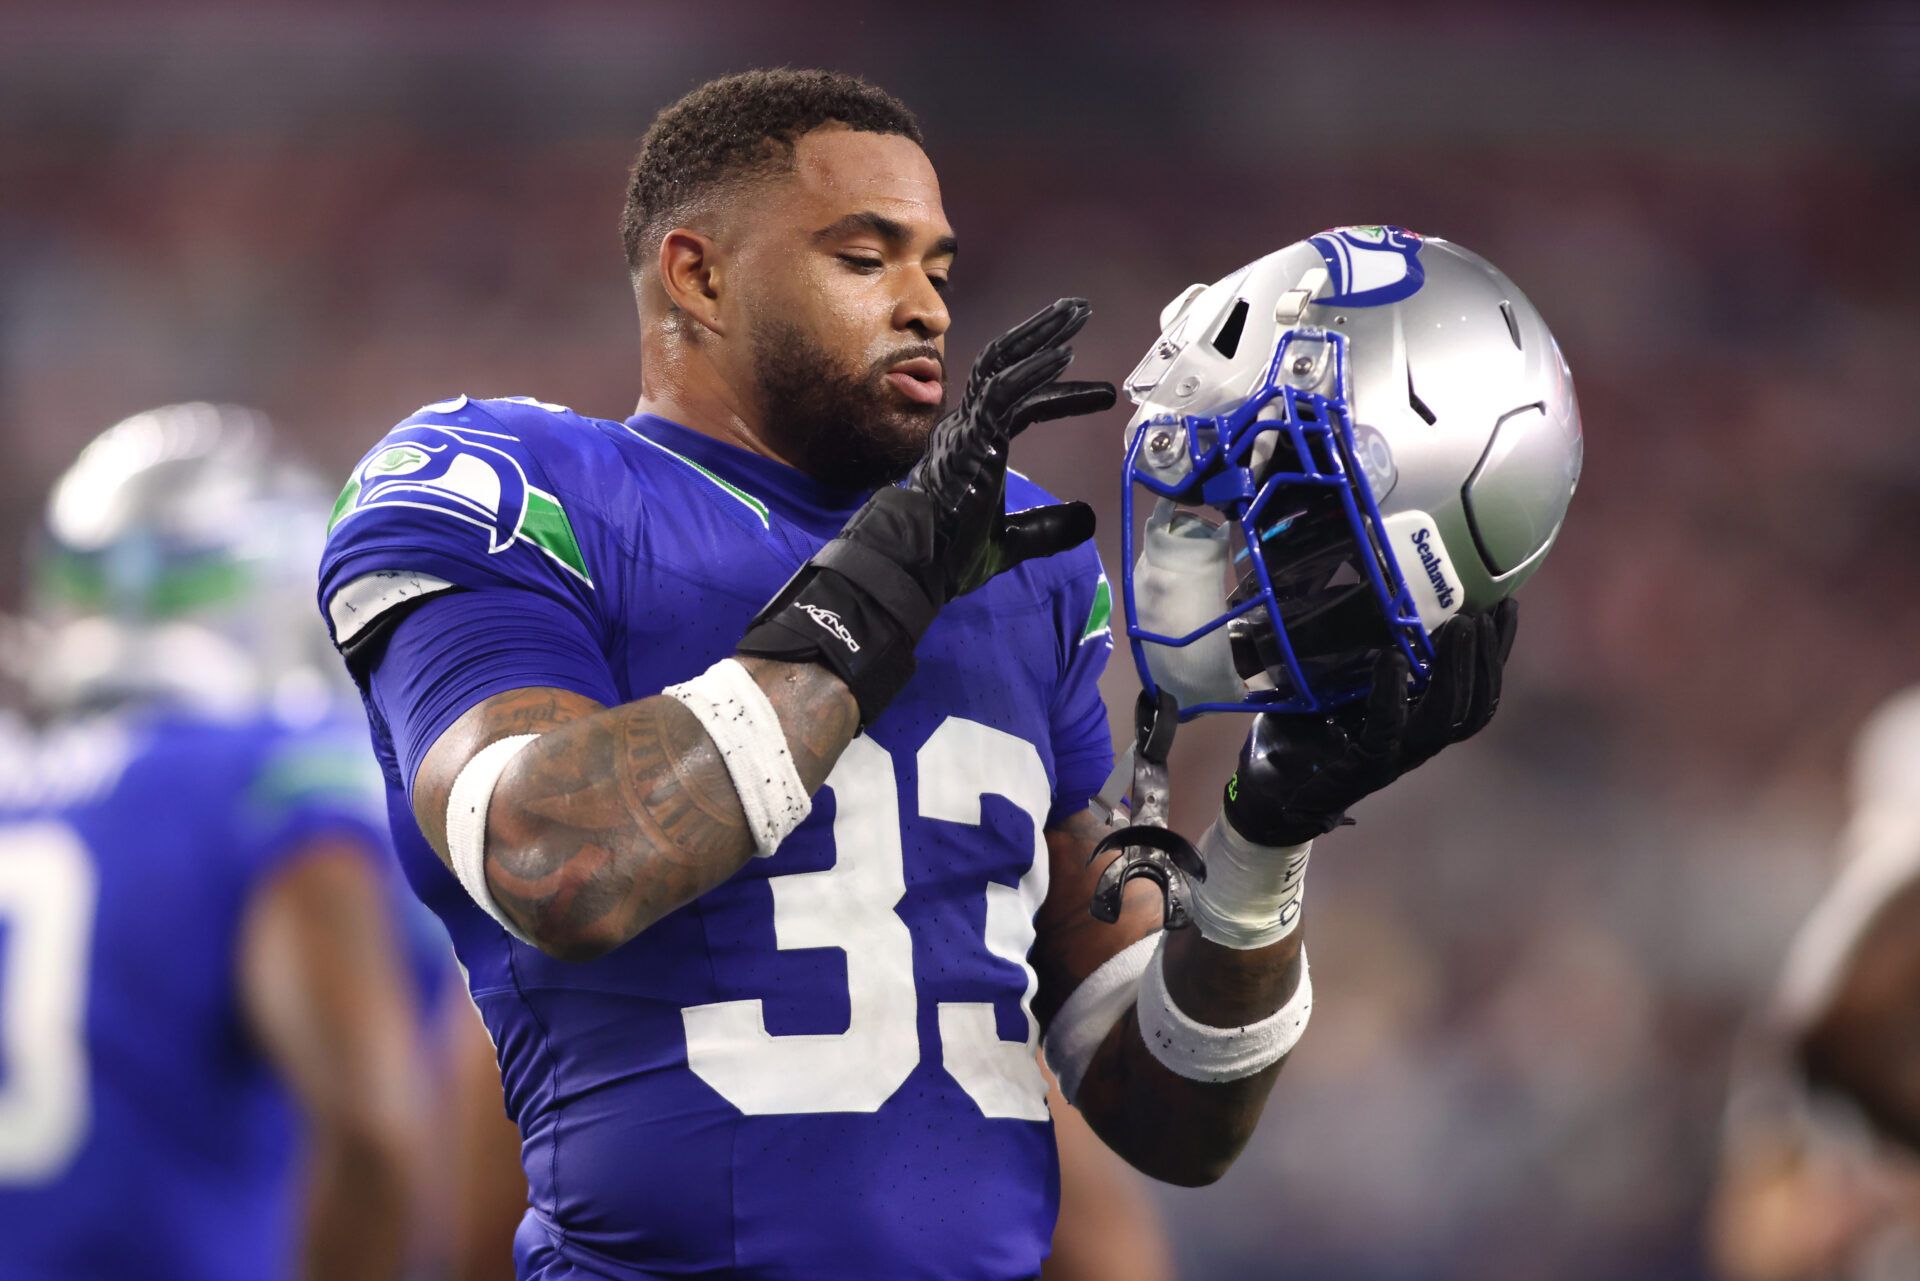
1299,774
865,599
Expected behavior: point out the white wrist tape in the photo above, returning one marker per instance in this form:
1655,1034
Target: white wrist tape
1252,893
1091,1011
740,720
1202,1053
467,821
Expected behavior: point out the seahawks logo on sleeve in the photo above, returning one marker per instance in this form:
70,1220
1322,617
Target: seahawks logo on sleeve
463,474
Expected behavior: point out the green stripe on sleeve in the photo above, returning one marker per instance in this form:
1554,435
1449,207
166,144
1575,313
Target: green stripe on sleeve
546,526
1102,612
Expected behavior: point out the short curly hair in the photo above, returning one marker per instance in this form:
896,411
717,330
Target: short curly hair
742,126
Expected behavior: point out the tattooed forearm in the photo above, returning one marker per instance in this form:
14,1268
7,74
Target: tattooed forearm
617,816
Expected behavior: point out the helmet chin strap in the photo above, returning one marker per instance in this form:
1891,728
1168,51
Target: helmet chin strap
1148,848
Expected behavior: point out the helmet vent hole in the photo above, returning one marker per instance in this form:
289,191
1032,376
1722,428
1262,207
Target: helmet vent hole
1419,405
1513,326
1227,341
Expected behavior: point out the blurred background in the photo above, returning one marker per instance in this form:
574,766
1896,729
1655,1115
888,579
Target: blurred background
1533,957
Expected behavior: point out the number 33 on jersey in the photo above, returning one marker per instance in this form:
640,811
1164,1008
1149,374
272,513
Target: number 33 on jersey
851,906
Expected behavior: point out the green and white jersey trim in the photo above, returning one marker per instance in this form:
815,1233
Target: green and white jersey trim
1100,617
314,772
752,504
545,525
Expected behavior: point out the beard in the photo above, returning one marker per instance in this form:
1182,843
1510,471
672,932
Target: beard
850,431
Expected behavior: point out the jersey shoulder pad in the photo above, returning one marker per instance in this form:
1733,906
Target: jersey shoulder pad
1085,598
1075,578
465,493
325,767
277,786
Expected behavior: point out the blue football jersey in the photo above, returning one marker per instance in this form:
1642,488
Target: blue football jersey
824,1067
141,1133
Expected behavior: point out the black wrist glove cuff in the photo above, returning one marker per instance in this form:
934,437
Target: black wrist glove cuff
855,608
1261,825
1271,798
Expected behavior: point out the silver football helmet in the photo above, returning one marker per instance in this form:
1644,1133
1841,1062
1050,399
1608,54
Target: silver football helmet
176,562
1385,420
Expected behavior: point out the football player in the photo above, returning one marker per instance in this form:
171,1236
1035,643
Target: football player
206,1021
1853,975
748,746
1818,1174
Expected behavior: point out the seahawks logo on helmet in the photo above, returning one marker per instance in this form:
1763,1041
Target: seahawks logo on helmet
459,474
1369,266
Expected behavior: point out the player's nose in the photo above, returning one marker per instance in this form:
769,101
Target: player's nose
920,309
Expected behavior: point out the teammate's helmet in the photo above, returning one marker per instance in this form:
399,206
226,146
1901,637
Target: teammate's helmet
176,562
1385,419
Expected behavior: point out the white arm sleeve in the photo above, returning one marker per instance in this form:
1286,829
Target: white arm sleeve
467,822
1092,1010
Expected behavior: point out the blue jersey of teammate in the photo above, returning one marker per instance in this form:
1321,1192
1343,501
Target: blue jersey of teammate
823,1068
141,1134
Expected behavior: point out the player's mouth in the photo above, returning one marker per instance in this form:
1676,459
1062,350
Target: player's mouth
918,380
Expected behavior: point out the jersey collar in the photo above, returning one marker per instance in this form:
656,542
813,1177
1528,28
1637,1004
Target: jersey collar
788,491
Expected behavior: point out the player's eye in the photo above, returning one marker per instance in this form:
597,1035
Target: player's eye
940,283
862,262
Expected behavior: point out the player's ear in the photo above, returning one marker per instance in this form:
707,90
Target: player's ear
690,275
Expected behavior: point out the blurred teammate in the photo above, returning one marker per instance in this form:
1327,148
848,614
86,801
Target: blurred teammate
209,1064
1821,1168
752,784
